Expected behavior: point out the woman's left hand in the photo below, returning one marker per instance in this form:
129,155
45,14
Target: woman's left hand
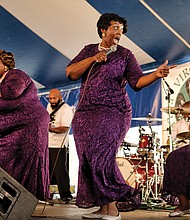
163,70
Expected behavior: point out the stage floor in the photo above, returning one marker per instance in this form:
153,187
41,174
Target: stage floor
72,212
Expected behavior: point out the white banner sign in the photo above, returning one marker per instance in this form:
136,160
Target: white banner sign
179,81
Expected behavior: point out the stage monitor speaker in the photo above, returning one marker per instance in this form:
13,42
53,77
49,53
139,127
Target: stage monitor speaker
16,203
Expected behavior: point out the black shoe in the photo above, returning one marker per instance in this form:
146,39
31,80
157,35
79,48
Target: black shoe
67,198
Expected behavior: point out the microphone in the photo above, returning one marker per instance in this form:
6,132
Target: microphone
171,90
113,48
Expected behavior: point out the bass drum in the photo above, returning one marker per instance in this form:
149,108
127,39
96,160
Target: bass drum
126,168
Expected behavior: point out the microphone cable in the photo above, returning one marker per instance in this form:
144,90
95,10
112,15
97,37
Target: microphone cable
66,133
112,49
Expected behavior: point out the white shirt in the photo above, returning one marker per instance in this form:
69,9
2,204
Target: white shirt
63,117
179,127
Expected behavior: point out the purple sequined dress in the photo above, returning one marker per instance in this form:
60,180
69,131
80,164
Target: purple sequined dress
24,134
99,126
177,175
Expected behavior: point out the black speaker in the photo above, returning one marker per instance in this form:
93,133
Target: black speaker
16,203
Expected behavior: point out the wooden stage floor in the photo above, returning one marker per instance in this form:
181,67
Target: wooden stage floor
72,212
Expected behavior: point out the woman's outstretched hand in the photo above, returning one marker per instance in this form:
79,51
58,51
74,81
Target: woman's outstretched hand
163,70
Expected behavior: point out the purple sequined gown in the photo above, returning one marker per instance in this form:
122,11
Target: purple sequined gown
177,175
100,124
24,134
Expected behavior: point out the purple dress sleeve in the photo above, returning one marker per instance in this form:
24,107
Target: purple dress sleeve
124,58
24,125
14,85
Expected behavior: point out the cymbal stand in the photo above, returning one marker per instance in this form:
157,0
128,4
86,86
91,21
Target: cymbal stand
158,169
147,189
156,172
152,182
154,146
156,166
149,183
169,92
134,169
161,162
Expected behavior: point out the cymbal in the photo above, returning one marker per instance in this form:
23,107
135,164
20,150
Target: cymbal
176,110
184,135
147,119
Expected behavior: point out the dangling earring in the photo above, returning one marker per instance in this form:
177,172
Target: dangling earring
103,35
6,68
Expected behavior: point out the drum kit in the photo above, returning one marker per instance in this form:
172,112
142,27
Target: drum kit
145,170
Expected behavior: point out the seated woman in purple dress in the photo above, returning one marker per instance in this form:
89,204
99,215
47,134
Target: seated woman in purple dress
177,179
176,182
103,117
23,129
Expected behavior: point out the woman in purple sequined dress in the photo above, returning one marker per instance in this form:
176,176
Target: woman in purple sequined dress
176,181
24,126
103,117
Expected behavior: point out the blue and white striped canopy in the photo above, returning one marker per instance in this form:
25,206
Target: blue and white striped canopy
45,35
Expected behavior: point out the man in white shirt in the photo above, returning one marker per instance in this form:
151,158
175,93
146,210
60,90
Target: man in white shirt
61,115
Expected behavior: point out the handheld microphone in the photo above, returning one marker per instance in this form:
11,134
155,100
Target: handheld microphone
113,48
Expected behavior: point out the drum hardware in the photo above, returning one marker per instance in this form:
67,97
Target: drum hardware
146,142
180,141
165,149
125,147
176,110
137,178
184,135
127,171
142,173
149,145
151,182
168,110
134,170
147,119
148,177
147,188
167,146
163,155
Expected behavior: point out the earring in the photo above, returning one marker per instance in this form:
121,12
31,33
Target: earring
6,68
103,35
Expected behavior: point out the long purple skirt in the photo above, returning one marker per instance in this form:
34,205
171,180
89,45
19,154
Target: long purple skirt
98,134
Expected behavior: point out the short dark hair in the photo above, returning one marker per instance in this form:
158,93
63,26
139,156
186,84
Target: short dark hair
105,19
8,59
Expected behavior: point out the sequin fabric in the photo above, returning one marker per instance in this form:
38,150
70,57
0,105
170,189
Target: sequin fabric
100,124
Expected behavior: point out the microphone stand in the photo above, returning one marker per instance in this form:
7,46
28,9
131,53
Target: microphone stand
169,93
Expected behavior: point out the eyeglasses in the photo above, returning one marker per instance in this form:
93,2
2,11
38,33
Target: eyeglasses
117,27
